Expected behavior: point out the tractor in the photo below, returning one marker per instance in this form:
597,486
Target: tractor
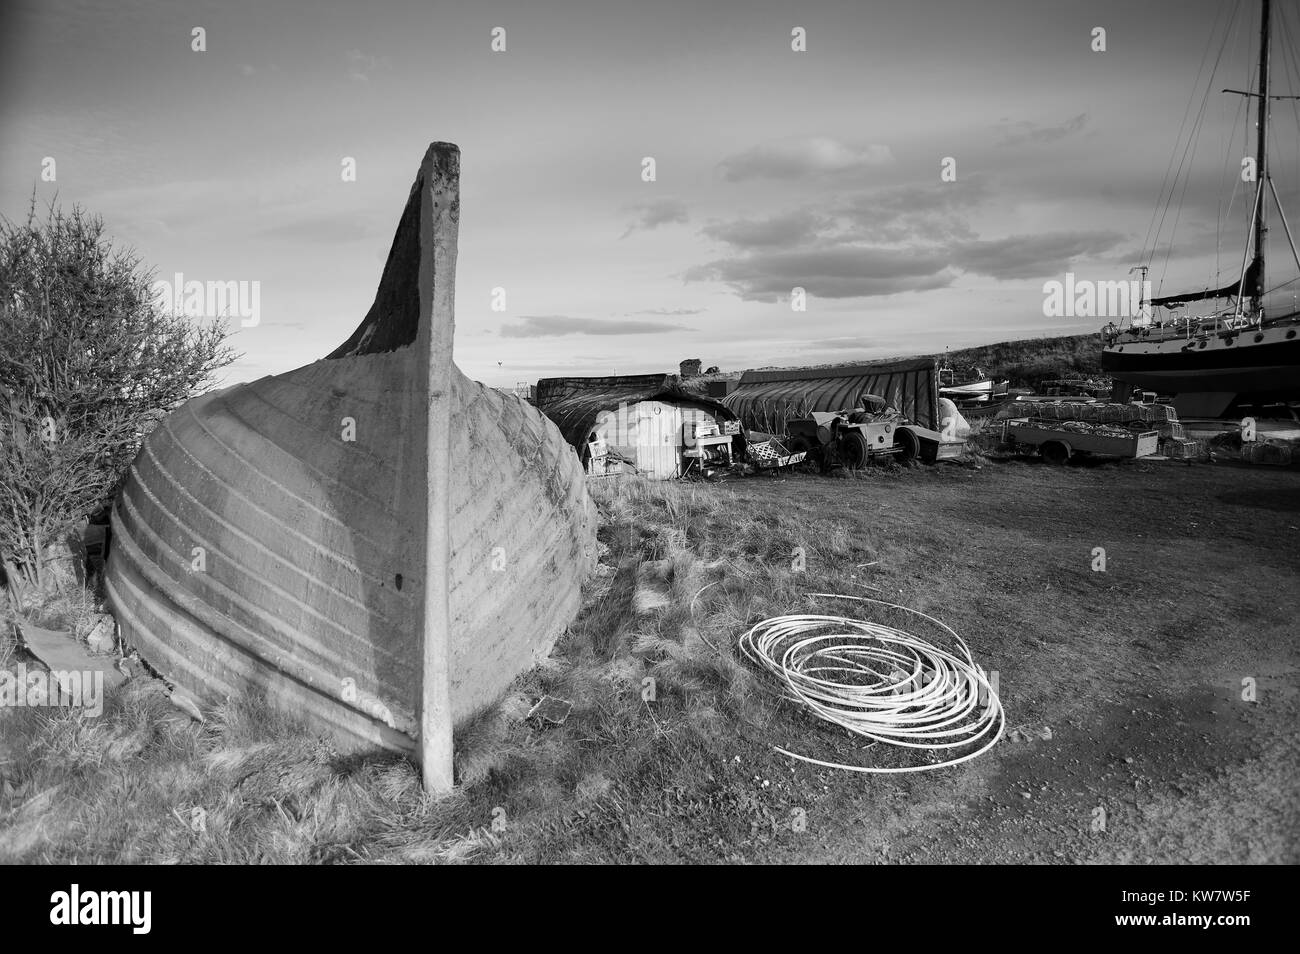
872,431
849,438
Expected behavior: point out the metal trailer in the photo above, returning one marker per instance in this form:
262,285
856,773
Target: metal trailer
1058,441
929,446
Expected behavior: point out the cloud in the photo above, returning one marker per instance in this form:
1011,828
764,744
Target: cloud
1192,241
247,69
551,326
884,242
361,65
1030,256
841,271
667,311
802,157
900,215
930,213
1015,134
777,231
655,213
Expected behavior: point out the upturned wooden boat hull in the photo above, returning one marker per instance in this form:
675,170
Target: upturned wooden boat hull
372,541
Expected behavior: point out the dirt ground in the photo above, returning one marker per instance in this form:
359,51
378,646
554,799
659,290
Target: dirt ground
1152,706
1131,689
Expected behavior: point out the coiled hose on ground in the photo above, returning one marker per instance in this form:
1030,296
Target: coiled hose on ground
881,683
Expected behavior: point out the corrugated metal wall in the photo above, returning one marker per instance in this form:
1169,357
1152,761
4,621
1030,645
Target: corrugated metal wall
764,400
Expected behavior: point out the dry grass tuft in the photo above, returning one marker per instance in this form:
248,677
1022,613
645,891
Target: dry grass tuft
659,697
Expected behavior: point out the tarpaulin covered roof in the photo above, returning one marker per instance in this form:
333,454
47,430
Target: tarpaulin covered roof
574,404
765,400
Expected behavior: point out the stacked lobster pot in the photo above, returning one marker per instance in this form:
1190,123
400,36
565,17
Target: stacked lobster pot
1181,449
1266,452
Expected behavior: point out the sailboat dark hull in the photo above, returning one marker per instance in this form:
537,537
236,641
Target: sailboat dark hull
1208,375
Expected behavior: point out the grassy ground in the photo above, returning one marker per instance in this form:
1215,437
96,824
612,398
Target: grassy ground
1028,361
1137,671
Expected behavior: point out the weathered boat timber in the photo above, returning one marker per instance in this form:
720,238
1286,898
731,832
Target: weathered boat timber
373,541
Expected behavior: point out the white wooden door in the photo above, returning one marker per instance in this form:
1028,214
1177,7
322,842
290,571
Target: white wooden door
659,439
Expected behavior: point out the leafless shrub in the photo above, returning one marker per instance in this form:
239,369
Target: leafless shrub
89,362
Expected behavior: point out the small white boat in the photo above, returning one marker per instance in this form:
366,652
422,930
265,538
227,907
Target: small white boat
972,387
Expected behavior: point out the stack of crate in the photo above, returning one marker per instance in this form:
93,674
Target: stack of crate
1171,432
1266,452
1180,449
772,453
1157,415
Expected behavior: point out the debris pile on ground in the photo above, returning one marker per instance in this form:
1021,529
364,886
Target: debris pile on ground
1087,427
100,632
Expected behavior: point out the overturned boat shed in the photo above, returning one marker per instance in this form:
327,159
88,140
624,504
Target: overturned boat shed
372,541
645,421
765,400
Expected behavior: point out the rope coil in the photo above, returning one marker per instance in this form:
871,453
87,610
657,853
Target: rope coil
880,683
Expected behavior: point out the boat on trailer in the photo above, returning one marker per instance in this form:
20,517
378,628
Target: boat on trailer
372,541
969,387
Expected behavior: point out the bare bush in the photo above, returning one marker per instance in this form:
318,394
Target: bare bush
89,360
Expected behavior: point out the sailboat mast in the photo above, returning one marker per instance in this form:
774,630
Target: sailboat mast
1261,157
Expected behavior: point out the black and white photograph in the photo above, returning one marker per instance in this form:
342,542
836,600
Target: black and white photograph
690,432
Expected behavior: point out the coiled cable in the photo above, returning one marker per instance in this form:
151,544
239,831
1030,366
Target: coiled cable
881,683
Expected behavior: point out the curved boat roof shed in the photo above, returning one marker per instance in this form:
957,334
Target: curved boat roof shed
764,400
575,404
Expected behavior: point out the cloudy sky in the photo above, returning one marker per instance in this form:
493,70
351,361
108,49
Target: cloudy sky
774,168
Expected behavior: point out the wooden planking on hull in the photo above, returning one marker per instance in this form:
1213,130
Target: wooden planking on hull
373,540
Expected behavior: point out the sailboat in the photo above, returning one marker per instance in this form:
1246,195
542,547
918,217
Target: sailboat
1236,355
